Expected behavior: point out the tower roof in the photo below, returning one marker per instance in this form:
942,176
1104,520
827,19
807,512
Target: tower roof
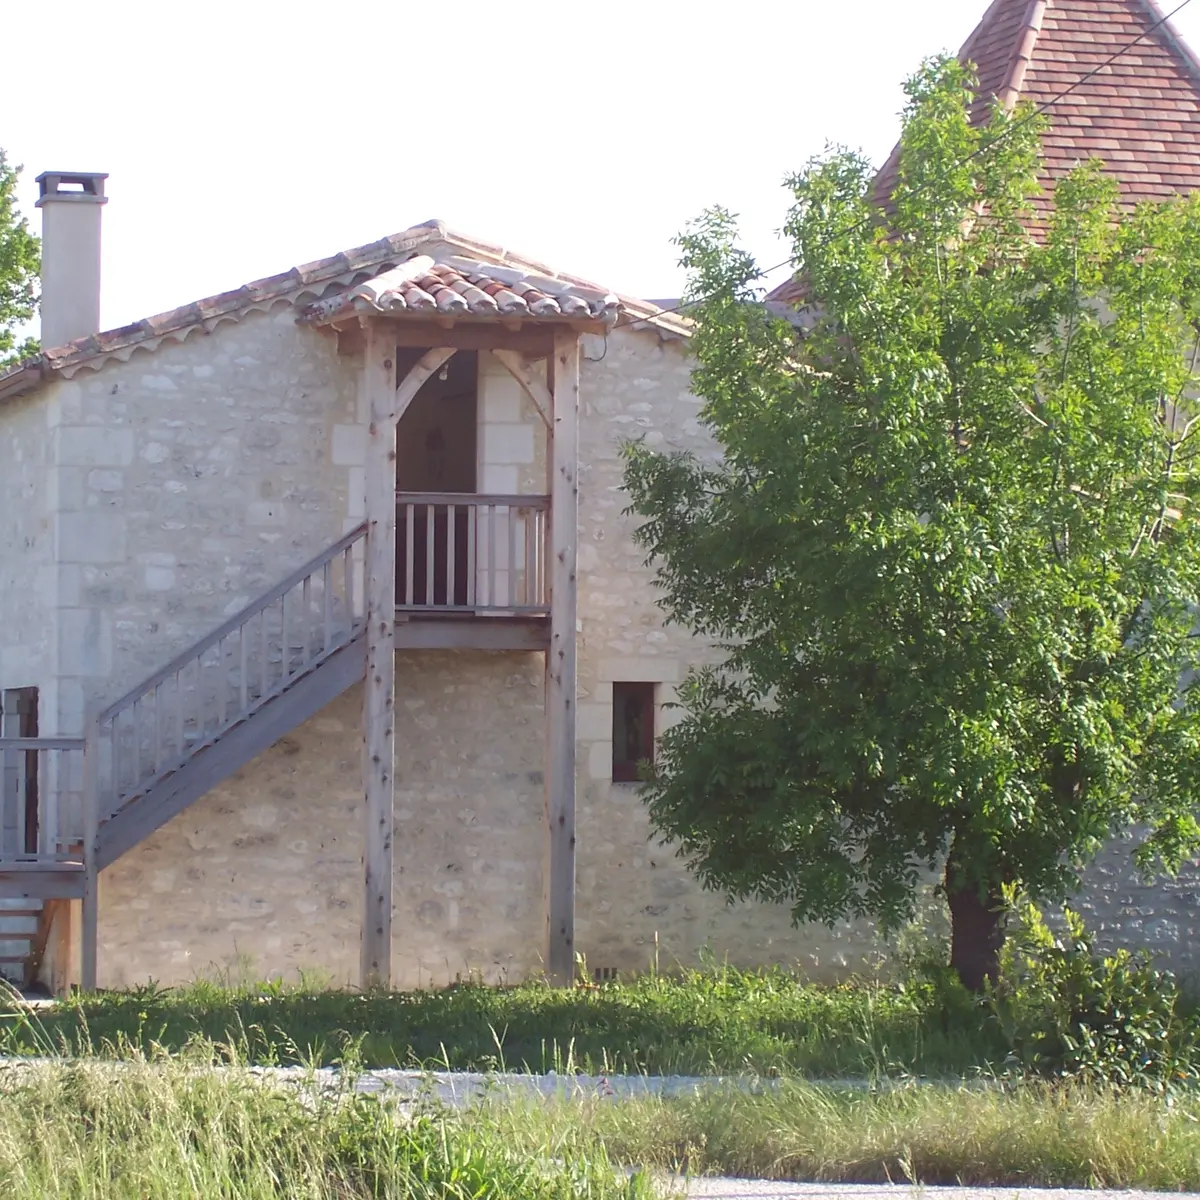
1139,114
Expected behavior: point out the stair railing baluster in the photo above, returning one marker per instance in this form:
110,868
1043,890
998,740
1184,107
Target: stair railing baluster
472,537
511,597
286,637
135,720
14,776
178,711
326,606
243,688
263,652
410,525
222,685
306,602
157,728
47,798
450,522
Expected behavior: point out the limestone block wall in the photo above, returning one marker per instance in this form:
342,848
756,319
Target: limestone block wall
261,877
190,480
635,898
511,453
28,577
469,774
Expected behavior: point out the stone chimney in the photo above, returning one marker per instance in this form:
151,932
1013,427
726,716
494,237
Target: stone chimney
70,202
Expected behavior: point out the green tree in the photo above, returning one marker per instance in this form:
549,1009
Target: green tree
949,550
20,262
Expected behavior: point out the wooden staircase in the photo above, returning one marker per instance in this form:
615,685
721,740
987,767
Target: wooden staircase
176,735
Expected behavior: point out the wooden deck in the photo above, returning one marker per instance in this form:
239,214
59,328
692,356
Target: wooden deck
468,631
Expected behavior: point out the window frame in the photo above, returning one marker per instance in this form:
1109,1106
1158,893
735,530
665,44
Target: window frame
626,770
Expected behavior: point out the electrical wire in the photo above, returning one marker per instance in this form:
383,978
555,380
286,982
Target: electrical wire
983,148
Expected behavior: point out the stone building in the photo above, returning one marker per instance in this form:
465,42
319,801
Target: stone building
325,643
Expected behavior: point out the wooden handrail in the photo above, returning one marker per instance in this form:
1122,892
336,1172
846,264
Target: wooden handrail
235,622
41,743
473,500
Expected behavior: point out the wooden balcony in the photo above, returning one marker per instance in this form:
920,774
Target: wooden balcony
471,571
41,817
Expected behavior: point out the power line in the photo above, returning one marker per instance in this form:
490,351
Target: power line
1041,110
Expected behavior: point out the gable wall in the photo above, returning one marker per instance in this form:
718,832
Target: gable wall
191,479
28,578
263,875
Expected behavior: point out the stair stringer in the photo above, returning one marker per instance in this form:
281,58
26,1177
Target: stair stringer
140,816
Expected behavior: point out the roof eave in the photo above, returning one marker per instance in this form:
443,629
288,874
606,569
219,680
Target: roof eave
24,377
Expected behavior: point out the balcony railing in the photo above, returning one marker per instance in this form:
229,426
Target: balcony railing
41,799
458,552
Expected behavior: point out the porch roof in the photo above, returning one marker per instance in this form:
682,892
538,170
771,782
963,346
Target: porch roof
452,285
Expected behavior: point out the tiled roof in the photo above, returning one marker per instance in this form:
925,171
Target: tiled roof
305,285
455,286
1140,114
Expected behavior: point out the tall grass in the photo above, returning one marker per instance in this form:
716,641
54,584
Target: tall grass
145,1130
170,1125
169,1129
766,1022
1030,1135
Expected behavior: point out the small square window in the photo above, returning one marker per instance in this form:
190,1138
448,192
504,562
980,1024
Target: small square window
633,729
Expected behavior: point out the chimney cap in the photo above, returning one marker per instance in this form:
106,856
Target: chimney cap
85,187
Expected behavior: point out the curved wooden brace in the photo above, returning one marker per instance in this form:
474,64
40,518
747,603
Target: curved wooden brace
534,388
422,369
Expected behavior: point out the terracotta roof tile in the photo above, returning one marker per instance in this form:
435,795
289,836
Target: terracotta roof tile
460,282
1140,115
466,287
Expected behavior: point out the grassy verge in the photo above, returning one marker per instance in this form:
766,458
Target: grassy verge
1025,1137
701,1022
166,1131
174,1128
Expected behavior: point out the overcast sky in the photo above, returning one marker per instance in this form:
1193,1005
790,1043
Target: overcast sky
245,137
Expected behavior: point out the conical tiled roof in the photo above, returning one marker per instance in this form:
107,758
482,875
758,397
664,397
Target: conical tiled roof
1140,113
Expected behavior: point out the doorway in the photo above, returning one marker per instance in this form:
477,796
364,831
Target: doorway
435,456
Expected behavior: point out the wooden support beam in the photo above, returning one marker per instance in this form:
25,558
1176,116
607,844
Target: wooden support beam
479,633
529,340
534,388
89,926
561,692
379,691
411,384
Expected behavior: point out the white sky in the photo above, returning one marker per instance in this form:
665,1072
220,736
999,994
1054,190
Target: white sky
245,137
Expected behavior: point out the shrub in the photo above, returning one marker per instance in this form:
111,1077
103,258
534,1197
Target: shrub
1068,1011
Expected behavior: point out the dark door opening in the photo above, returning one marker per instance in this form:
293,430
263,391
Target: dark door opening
435,454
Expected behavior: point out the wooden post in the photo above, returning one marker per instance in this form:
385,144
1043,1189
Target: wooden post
90,906
60,967
562,463
379,691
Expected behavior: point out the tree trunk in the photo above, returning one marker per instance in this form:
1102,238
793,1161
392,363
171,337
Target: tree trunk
976,932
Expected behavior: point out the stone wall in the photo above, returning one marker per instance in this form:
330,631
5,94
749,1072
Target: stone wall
636,900
190,480
261,877
28,578
193,478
